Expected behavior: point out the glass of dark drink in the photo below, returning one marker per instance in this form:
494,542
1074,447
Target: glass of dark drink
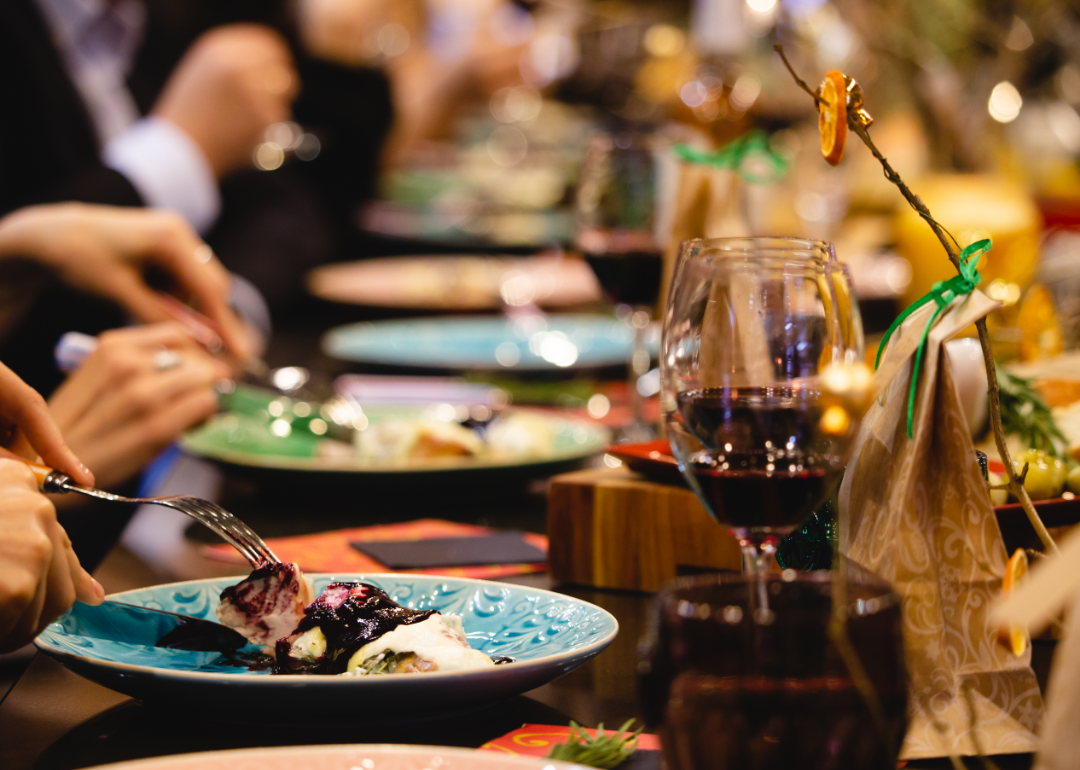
734,685
751,327
615,208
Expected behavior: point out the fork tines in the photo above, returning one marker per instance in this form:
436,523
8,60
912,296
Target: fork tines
239,534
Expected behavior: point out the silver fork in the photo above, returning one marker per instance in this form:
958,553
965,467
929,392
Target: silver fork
235,532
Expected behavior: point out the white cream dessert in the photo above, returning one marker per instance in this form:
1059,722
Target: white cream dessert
267,605
357,629
435,644
351,628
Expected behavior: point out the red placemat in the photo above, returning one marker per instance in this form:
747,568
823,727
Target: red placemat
536,740
331,552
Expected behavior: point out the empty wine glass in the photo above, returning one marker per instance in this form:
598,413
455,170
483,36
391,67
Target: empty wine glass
750,327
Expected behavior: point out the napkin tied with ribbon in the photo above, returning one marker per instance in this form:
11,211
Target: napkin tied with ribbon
915,510
709,202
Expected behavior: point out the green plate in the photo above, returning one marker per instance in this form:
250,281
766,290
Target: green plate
251,432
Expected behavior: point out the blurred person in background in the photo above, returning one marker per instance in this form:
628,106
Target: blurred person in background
167,104
143,386
441,56
40,575
162,104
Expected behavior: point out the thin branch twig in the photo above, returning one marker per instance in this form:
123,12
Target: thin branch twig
951,248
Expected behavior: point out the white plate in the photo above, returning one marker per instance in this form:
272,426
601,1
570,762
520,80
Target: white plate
457,282
356,757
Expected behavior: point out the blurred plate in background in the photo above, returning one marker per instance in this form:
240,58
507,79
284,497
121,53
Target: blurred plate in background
458,282
259,430
468,225
529,343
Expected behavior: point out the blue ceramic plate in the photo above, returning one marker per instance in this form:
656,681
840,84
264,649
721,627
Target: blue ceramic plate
547,634
531,343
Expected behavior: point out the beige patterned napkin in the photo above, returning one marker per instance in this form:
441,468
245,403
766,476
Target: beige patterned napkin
709,204
916,512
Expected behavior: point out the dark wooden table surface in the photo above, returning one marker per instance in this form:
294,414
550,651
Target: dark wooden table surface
53,719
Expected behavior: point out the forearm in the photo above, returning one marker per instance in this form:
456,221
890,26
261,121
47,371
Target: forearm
20,231
425,93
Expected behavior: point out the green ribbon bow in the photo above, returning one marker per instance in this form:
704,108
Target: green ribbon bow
942,293
735,154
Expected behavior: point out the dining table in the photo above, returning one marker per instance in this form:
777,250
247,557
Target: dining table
53,719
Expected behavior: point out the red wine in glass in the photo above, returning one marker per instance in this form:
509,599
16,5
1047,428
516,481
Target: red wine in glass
627,263
629,278
767,723
760,468
734,686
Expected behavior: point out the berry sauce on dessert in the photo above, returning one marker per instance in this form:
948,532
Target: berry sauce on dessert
350,615
267,604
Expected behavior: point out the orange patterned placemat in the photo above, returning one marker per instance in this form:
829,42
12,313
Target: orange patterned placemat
331,552
537,740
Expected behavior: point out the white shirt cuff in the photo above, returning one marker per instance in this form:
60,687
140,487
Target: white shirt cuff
168,169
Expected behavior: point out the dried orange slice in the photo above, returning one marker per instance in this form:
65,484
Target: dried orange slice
832,116
1014,638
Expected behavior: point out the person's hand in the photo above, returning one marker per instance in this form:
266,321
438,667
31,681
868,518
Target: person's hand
40,575
27,429
347,31
133,396
232,83
490,64
106,250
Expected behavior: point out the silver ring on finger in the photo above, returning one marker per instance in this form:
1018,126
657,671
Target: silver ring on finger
203,253
164,360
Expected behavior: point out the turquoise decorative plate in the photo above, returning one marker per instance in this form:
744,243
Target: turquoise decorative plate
547,634
530,343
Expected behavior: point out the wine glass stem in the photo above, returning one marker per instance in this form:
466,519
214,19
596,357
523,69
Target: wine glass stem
757,550
639,362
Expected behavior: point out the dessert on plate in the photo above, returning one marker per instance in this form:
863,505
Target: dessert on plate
427,438
353,629
267,605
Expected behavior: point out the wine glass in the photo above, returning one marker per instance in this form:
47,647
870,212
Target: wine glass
751,327
811,546
733,687
616,224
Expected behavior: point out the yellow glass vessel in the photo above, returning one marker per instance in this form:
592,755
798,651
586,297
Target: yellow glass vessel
971,207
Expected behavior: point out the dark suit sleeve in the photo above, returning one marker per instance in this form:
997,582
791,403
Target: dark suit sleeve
96,183
50,149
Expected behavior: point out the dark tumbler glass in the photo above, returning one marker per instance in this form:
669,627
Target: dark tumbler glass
737,683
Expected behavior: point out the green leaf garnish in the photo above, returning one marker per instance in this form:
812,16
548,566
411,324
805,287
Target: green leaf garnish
1025,413
603,751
